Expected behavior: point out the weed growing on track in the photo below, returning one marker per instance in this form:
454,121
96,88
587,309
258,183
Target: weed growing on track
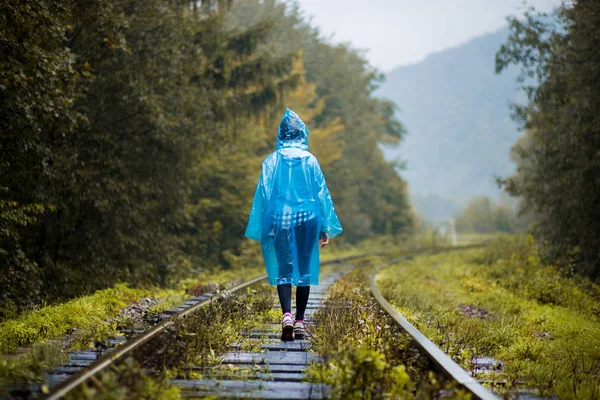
503,302
30,368
81,322
195,341
190,348
366,354
127,380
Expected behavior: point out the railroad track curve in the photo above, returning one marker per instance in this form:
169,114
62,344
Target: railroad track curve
278,368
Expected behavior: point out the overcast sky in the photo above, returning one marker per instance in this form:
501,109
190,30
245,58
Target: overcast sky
400,32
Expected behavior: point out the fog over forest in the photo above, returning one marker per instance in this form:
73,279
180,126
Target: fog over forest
455,109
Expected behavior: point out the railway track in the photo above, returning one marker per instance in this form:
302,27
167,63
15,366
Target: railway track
267,368
82,365
277,370
441,359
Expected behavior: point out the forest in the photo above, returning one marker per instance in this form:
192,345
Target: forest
132,135
131,140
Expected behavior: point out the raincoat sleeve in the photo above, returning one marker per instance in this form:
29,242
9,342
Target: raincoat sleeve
257,212
330,224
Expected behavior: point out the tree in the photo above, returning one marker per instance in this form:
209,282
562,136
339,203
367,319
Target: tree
558,162
132,135
110,107
370,197
39,82
482,215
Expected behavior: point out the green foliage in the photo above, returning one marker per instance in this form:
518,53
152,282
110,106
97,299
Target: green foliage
359,372
134,133
88,312
504,302
371,358
127,381
108,110
37,89
515,263
558,168
31,367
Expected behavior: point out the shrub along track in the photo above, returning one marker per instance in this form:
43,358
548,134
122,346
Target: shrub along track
441,359
257,365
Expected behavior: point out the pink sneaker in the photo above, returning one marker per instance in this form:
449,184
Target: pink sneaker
287,328
299,330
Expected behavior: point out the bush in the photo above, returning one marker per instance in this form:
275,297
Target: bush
515,263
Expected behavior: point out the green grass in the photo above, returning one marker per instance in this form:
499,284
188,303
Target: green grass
80,313
89,315
90,312
502,301
94,317
190,349
367,356
464,239
90,318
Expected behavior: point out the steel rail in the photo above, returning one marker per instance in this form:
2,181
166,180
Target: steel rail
441,359
109,358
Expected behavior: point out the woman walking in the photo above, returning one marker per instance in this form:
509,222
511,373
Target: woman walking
292,216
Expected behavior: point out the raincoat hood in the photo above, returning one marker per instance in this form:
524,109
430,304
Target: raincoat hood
292,132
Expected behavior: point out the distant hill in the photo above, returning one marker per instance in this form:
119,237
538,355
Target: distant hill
455,109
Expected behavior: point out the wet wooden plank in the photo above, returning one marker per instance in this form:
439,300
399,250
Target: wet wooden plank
54,379
252,389
65,370
245,368
78,363
258,375
274,357
296,345
84,355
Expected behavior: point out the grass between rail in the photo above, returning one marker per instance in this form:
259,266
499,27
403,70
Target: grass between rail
190,348
81,322
367,356
503,301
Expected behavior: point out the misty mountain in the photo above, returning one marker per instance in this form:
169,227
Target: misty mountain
456,111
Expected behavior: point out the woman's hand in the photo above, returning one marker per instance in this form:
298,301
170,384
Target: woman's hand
323,240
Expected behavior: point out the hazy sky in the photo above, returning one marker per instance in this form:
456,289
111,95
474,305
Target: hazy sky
399,32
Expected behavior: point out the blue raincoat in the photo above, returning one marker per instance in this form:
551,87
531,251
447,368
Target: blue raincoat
291,208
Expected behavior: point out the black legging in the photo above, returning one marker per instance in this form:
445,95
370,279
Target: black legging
285,298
